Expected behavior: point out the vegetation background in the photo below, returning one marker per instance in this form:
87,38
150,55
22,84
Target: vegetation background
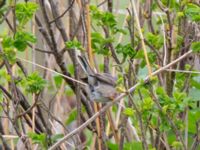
152,47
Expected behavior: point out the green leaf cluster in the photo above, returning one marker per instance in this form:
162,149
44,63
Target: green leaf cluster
126,50
40,139
192,12
74,44
155,40
33,83
99,43
25,11
105,19
128,111
196,47
20,40
72,116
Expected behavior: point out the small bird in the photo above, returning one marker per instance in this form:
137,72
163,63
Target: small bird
100,87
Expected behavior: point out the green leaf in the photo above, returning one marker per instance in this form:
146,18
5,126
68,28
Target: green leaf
72,116
109,20
196,47
56,137
34,83
112,146
155,40
126,50
10,54
24,11
179,96
193,117
140,54
99,43
95,12
195,83
7,42
180,14
163,97
171,137
40,139
58,80
192,12
74,44
20,44
177,144
22,38
147,103
128,111
68,91
4,77
165,108
70,68
105,19
133,145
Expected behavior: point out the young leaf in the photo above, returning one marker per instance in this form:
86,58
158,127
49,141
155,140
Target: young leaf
74,44
126,50
24,12
58,80
112,146
72,117
192,11
128,111
21,40
177,144
7,42
34,83
40,139
155,40
147,103
133,145
196,47
10,54
99,43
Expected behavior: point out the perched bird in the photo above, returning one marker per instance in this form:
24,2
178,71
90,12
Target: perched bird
100,87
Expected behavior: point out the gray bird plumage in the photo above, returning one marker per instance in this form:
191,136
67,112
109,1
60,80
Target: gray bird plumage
101,87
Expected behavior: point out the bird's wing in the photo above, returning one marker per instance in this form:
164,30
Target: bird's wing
106,90
85,65
106,78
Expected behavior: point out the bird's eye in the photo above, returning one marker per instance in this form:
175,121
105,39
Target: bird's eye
91,88
190,58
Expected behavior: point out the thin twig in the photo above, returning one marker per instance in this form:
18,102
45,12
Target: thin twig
70,6
70,78
183,71
142,39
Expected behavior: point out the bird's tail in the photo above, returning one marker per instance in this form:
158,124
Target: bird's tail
85,65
